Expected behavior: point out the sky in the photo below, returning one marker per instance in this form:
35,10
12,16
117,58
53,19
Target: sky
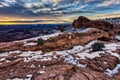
55,11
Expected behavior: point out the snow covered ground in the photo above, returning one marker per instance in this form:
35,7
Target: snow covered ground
81,52
71,56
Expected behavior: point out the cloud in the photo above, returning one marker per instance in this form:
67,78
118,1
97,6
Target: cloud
107,15
41,7
1,5
7,3
57,8
85,1
24,21
106,3
43,10
55,2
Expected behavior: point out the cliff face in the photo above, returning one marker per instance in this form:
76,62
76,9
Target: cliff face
83,22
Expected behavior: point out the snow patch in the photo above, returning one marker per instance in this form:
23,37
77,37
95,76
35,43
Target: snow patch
45,37
71,56
114,54
81,30
41,72
4,54
111,46
30,44
2,59
117,37
36,55
92,55
114,71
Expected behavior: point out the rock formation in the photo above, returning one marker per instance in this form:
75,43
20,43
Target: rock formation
63,41
83,22
14,67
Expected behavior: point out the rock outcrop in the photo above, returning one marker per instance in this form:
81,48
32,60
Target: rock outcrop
63,41
83,22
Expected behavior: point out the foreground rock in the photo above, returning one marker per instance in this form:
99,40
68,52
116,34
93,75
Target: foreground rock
78,63
57,69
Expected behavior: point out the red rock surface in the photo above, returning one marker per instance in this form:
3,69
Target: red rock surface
18,61
57,69
62,41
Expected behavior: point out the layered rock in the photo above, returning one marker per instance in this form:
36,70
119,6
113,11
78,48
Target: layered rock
83,22
57,69
63,41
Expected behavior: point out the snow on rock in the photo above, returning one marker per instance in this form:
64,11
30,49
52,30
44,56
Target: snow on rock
83,30
45,37
111,46
41,72
4,54
2,59
91,43
30,53
78,51
84,55
117,37
37,55
114,54
113,20
70,59
70,56
32,66
71,30
114,71
29,76
30,44
33,55
16,79
75,49
17,51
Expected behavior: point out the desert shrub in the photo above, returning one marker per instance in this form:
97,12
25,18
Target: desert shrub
40,42
97,46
